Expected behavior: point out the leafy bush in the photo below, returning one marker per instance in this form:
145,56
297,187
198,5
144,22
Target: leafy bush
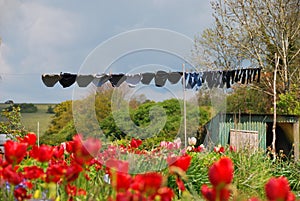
50,109
12,122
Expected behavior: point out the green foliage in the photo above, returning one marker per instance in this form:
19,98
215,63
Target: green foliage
65,134
289,169
146,120
61,125
252,171
248,100
28,108
289,103
12,122
63,115
110,129
204,98
25,107
50,109
197,173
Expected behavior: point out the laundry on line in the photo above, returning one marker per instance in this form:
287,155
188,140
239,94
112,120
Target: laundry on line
193,80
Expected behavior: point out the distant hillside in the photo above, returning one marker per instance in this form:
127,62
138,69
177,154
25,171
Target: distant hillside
31,120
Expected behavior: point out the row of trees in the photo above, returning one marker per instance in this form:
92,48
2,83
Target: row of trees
118,118
24,107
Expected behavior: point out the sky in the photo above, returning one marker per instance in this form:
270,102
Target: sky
53,36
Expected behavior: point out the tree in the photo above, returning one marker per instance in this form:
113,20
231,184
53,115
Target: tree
11,124
62,116
288,103
50,109
243,99
249,33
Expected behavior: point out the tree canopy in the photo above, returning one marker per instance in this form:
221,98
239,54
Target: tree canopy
119,118
249,33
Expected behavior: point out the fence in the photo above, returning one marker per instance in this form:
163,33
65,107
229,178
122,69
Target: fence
247,128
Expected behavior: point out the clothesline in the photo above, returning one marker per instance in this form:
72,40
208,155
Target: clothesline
193,80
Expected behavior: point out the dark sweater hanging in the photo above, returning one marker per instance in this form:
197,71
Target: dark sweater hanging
117,79
67,79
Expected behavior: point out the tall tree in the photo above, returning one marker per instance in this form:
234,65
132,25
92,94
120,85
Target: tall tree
249,33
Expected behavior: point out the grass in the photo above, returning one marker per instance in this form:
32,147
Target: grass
251,173
41,117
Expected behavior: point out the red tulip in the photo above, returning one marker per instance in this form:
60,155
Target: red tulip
85,150
69,146
135,143
165,194
182,162
58,151
42,153
253,199
11,175
72,190
30,139
232,148
116,165
121,181
72,172
291,197
14,151
122,196
278,189
219,149
221,173
33,172
180,184
96,163
54,173
208,193
21,194
28,184
147,183
211,194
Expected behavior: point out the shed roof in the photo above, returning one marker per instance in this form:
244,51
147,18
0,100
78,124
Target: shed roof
267,118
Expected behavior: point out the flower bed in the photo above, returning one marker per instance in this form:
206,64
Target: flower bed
84,169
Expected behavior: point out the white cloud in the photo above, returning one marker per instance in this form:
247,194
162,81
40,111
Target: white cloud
5,68
45,26
37,34
7,10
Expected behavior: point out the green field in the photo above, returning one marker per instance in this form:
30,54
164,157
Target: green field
32,120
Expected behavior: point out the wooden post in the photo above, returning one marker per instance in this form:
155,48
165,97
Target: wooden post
38,133
296,140
274,106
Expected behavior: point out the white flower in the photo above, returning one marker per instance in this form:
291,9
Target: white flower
189,148
177,142
192,141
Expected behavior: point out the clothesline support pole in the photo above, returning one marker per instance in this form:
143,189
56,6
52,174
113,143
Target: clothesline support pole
38,133
184,106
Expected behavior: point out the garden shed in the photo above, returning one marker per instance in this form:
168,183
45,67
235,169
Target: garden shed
220,129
